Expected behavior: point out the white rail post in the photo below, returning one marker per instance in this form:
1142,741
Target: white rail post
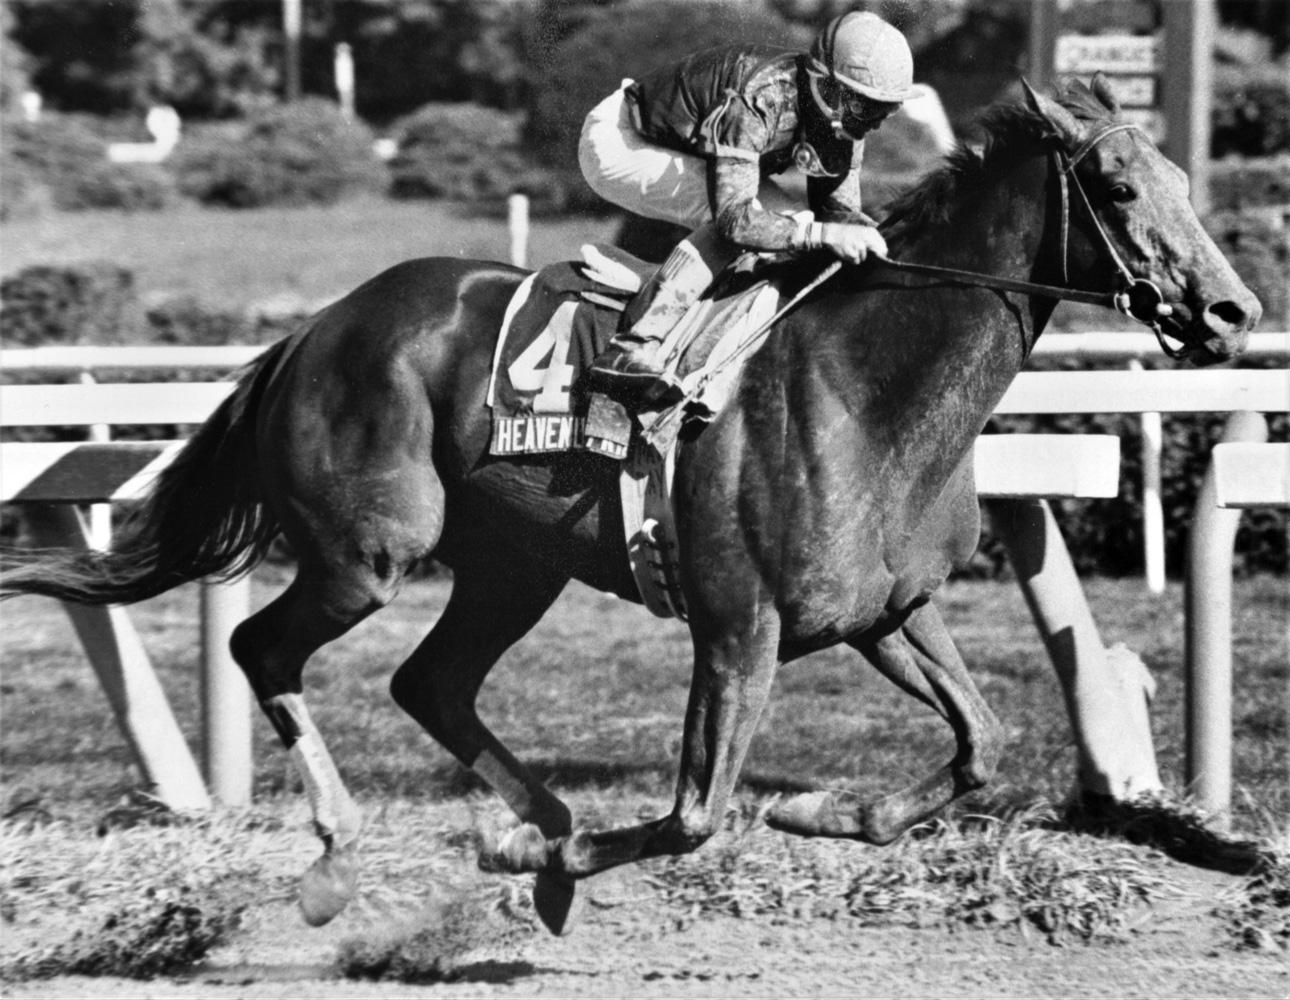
1209,636
126,675
1106,691
226,700
343,68
1153,512
100,529
517,217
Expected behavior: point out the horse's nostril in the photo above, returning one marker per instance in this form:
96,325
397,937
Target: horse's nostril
1226,316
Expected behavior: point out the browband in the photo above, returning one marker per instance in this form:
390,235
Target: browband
1087,145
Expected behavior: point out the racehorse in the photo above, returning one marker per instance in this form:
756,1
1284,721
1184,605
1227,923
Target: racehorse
824,504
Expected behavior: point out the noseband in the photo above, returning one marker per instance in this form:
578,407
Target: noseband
1137,298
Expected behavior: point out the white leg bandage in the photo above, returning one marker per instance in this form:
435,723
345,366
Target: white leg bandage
336,816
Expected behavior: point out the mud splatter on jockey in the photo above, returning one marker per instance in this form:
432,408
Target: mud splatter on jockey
698,143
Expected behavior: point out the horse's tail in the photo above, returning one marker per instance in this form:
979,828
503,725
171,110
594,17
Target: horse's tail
204,516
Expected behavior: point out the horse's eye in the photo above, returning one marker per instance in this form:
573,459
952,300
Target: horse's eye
1122,192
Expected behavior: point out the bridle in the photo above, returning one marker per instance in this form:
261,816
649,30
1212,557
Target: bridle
1137,298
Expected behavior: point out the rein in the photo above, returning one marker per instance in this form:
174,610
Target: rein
1137,298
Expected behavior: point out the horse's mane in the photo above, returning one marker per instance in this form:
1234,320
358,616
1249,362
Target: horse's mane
1011,132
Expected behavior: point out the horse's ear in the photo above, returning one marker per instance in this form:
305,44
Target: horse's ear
1103,92
1062,121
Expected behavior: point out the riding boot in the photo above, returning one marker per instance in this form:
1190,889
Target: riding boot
630,364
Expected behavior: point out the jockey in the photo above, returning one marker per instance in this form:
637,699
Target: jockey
695,144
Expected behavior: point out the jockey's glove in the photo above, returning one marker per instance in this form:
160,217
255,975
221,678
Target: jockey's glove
852,242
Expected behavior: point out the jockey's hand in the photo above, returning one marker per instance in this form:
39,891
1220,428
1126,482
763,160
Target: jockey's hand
852,242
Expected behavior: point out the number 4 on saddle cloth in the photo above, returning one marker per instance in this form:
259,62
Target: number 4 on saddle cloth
559,319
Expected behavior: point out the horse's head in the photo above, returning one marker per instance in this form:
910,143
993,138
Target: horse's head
1138,199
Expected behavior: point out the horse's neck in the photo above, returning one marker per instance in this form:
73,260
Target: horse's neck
1009,229
1002,229
912,353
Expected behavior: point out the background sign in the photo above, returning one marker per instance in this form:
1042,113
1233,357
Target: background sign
1131,64
1108,53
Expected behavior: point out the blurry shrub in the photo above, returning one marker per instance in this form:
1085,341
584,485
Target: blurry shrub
185,321
130,187
66,157
1251,115
295,154
466,152
93,303
22,193
57,151
1238,183
630,40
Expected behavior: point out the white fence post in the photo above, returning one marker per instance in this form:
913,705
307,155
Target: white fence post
1209,636
343,68
517,217
122,667
1107,691
100,528
226,701
1153,513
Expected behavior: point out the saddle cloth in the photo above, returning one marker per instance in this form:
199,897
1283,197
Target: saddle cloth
556,323
559,319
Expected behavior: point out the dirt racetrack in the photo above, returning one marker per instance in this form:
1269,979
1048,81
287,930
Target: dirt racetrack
633,940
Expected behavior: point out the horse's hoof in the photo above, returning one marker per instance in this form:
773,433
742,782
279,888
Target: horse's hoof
328,886
522,849
556,900
811,814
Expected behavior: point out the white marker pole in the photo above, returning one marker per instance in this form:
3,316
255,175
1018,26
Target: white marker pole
517,217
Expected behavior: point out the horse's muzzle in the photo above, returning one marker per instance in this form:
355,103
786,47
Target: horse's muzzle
1218,333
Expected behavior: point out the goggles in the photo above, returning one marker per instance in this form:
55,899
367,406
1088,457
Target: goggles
864,110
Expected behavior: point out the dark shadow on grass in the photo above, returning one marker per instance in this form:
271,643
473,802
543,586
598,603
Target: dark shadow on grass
1171,826
499,973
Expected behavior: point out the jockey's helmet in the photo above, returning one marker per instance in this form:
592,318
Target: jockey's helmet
861,69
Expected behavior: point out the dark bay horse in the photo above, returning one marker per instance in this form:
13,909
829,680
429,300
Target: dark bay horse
823,506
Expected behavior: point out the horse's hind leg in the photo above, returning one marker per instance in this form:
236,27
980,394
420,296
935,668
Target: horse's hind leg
495,600
272,646
921,659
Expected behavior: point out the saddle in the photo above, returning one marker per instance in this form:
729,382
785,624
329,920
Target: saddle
559,319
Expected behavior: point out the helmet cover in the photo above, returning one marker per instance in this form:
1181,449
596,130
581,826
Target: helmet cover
863,52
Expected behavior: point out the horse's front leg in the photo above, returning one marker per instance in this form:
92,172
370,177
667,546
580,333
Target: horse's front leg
732,679
921,659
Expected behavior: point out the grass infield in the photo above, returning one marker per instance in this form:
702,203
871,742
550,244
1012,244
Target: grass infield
594,697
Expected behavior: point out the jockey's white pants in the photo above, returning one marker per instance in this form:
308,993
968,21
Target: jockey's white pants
623,167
